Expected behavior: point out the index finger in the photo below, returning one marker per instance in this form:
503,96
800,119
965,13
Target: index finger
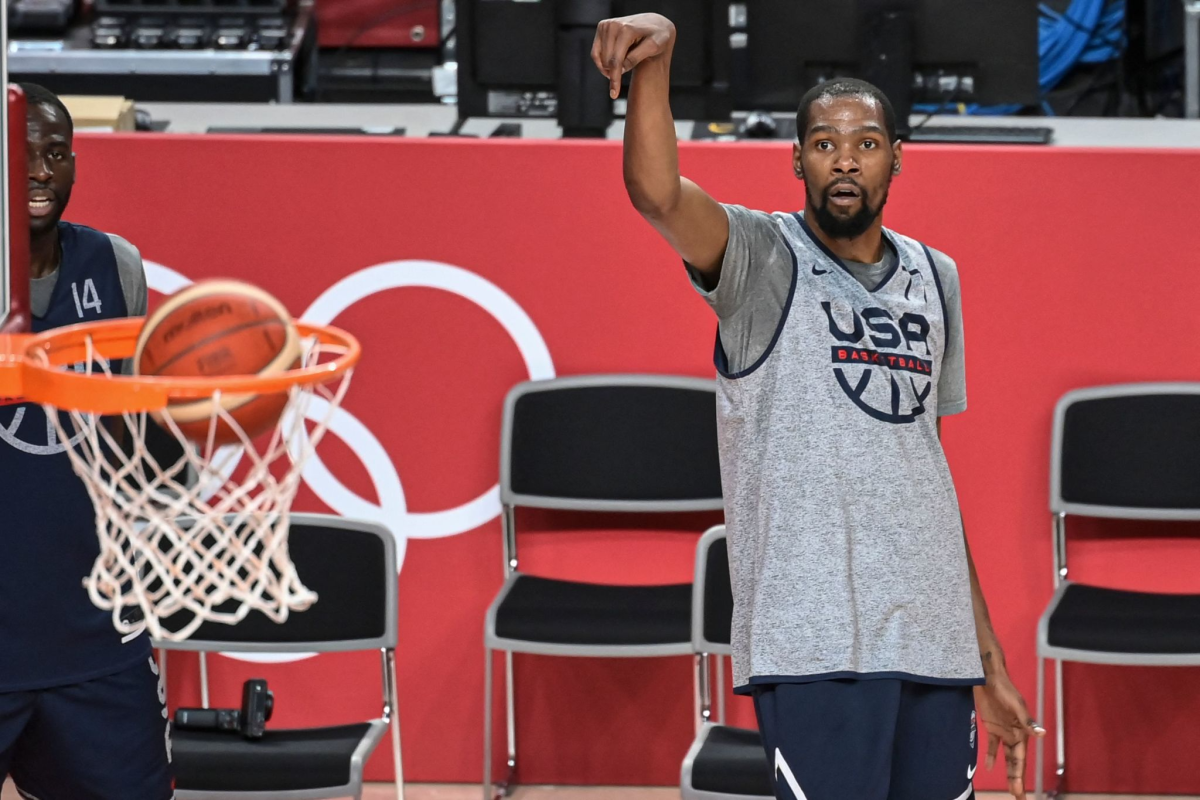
614,57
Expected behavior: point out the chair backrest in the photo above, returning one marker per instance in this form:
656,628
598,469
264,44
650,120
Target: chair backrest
351,565
712,596
1130,451
611,443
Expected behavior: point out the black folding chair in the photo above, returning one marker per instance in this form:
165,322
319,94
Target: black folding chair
607,443
723,763
1129,452
351,565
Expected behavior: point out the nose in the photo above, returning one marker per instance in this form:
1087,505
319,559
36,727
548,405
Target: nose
846,162
39,169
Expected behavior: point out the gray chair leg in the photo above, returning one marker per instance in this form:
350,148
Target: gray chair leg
1060,787
487,724
721,690
1039,761
510,708
397,756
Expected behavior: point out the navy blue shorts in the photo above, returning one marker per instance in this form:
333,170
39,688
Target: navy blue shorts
104,739
869,740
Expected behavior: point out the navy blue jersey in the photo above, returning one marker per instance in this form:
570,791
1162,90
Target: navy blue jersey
50,632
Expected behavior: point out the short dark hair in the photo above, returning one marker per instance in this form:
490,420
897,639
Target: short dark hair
38,95
845,87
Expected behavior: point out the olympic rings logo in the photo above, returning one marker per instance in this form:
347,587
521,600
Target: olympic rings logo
392,510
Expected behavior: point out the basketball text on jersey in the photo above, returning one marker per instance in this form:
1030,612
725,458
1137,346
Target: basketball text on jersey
895,342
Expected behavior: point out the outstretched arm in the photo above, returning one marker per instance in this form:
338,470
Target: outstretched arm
693,223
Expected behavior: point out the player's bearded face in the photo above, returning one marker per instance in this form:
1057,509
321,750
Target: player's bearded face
51,166
847,223
846,161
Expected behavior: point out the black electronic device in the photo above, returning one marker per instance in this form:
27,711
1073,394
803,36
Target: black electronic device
258,703
982,134
41,17
533,59
177,50
941,52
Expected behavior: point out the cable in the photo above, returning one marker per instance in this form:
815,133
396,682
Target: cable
1087,32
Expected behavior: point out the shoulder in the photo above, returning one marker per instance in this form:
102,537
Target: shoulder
760,229
947,270
124,250
753,216
944,265
132,273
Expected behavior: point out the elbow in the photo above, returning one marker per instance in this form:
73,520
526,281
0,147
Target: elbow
652,204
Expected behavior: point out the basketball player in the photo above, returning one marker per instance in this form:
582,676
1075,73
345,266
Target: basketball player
859,626
82,714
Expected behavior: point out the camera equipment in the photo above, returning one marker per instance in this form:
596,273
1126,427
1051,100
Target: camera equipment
251,721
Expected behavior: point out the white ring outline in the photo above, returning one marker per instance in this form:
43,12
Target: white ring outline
392,509
470,286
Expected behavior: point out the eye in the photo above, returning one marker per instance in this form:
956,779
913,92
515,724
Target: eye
825,144
869,145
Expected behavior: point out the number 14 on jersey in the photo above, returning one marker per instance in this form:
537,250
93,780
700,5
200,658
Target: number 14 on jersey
90,300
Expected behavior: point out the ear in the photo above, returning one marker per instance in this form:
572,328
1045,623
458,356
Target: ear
797,166
897,157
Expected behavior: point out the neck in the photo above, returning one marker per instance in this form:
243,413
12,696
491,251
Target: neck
866,248
43,253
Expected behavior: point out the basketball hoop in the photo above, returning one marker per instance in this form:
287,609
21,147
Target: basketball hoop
205,535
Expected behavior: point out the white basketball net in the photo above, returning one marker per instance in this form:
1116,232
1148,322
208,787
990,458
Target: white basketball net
188,536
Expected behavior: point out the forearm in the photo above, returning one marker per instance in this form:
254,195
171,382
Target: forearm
651,162
990,652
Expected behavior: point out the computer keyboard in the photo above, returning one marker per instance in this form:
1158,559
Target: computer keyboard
982,134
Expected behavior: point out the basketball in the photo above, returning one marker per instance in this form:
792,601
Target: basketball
214,328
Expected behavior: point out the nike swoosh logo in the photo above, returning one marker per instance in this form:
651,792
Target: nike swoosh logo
781,766
819,271
971,772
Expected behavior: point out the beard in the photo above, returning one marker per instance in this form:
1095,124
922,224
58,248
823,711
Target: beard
841,227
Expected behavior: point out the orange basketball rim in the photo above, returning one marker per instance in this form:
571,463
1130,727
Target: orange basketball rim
39,368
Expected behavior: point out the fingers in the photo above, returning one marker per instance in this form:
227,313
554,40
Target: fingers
598,48
620,46
1035,729
1014,756
616,56
644,49
993,748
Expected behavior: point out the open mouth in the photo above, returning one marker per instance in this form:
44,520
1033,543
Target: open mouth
40,203
844,194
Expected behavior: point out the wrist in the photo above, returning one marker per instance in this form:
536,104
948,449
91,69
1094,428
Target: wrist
992,658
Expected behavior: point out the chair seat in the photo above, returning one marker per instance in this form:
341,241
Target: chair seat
1115,621
282,760
564,612
732,761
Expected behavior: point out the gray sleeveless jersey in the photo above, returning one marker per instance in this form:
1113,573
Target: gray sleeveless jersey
847,551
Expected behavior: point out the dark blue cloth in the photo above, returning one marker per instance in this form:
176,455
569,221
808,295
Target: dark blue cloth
869,740
104,739
50,632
